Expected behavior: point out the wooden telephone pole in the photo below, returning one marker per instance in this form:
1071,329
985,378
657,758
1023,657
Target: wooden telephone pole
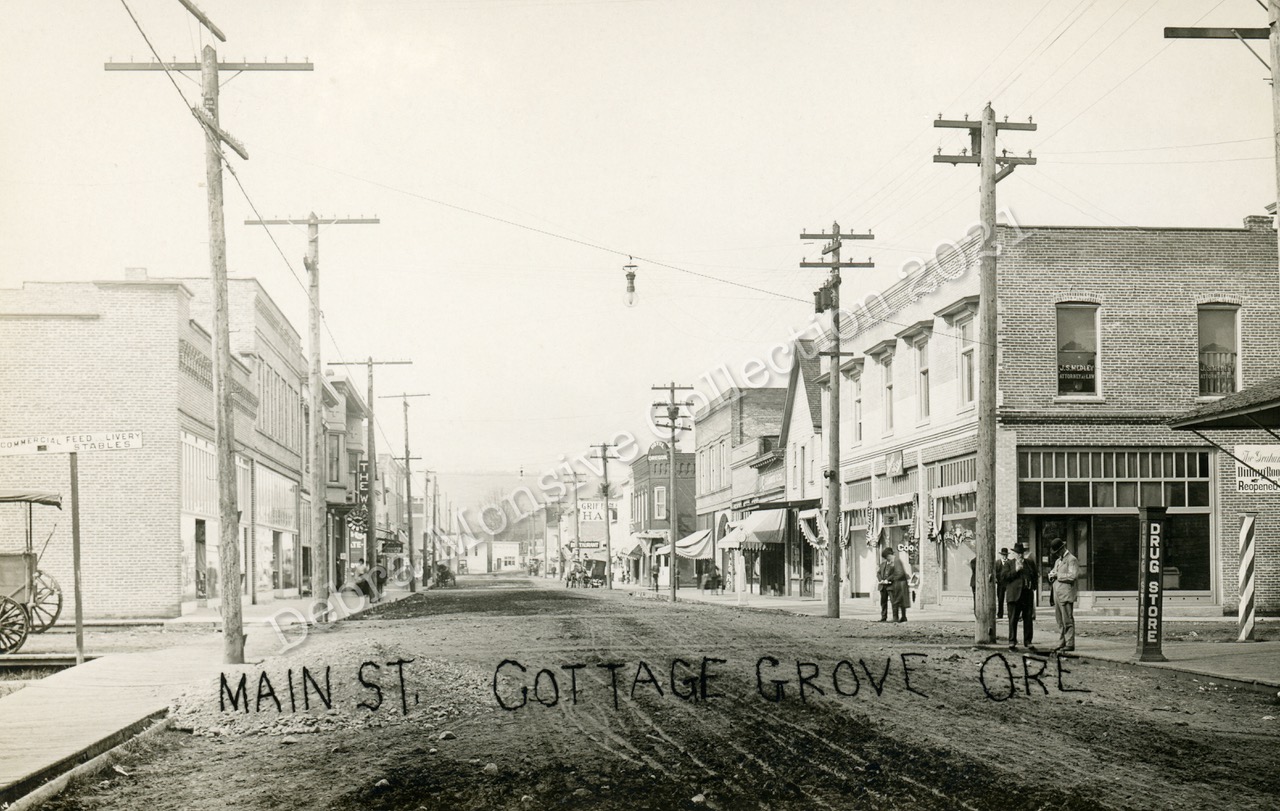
828,298
371,458
408,483
224,414
1271,33
604,458
322,569
983,142
672,424
576,546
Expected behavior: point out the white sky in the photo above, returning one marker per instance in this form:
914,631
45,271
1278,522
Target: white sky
704,135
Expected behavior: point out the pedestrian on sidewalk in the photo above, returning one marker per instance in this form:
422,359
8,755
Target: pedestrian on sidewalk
1002,565
1062,577
973,580
899,593
1021,579
360,573
884,574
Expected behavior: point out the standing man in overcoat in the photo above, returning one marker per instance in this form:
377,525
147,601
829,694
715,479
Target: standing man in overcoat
1021,579
1062,577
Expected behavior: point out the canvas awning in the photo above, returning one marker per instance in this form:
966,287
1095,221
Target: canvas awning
695,546
598,554
30,497
635,547
756,530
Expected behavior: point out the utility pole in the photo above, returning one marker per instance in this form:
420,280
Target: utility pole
828,298
576,547
604,458
371,457
323,569
673,424
1272,33
224,414
408,486
982,135
428,528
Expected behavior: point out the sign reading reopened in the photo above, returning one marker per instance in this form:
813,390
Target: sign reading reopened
1256,463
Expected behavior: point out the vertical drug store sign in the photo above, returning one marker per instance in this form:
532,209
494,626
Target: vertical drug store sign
1151,584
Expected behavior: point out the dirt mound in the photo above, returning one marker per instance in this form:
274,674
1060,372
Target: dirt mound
332,686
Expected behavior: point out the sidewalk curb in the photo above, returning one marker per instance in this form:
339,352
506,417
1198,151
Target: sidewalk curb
38,788
1182,674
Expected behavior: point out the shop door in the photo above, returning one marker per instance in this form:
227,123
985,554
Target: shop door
202,577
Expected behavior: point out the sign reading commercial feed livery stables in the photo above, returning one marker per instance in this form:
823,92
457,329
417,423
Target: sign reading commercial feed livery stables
71,443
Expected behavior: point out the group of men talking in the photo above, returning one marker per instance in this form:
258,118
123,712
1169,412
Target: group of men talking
1017,580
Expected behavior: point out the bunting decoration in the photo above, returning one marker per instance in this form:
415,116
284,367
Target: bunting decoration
814,540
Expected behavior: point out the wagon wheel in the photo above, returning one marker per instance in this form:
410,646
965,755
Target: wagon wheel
46,603
13,625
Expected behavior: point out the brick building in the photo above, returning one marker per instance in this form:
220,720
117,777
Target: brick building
729,433
1105,334
277,494
121,355
650,516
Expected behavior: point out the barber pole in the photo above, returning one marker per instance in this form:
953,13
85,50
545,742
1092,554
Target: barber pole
1247,527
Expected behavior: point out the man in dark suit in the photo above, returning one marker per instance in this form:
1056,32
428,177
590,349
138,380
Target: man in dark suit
884,574
1002,563
1021,579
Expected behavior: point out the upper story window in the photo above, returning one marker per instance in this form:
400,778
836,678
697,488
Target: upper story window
922,379
886,368
335,458
856,384
967,374
1219,348
1077,349
659,503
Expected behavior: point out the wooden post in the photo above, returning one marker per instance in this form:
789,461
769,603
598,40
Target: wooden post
1273,23
833,450
985,540
75,555
828,298
322,562
224,414
983,140
371,464
408,498
608,535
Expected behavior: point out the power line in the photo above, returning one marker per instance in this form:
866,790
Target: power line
534,229
1156,148
1117,85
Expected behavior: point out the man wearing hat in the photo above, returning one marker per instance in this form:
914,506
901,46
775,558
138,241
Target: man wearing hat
1021,577
1066,568
1001,565
899,595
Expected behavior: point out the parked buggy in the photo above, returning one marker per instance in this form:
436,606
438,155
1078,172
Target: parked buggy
30,600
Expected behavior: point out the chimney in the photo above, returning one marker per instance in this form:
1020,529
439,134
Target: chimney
135,274
1258,222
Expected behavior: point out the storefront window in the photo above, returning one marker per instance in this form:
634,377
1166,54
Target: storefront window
1060,491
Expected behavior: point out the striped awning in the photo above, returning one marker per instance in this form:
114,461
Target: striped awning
756,530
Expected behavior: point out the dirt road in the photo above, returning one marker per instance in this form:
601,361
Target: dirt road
512,694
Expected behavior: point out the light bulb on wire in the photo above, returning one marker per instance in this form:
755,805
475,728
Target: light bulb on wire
631,297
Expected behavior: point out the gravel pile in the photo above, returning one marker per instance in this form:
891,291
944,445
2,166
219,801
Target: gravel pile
434,693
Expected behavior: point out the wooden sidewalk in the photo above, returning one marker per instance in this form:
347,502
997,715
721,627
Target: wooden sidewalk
56,723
